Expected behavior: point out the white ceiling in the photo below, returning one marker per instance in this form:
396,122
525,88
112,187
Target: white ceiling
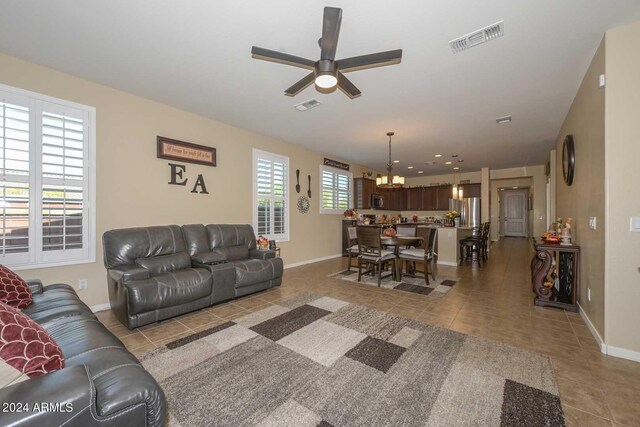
195,55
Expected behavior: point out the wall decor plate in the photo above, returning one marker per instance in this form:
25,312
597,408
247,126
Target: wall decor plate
568,159
303,204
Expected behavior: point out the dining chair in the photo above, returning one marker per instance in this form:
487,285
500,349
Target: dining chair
406,230
424,253
371,252
471,247
353,249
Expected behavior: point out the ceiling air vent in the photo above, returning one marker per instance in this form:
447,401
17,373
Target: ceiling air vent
477,37
307,105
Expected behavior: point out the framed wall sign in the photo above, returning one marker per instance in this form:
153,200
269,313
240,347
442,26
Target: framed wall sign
336,164
172,149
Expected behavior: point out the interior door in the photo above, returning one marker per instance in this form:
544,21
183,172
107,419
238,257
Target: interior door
514,210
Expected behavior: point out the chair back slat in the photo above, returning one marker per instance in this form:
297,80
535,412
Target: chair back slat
369,242
431,246
353,234
424,233
406,230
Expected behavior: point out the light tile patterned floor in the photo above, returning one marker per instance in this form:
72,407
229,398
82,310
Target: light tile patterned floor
493,302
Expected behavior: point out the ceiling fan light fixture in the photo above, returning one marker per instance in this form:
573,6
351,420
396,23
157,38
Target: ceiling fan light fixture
326,81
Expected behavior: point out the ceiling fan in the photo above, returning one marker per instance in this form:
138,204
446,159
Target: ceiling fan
327,72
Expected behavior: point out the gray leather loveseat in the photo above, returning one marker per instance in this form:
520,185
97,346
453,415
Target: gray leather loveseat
155,273
102,384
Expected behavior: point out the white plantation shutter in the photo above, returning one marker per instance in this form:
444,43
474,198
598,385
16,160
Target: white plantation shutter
15,171
271,216
336,190
46,151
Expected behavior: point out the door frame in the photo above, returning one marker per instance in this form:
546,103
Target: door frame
502,216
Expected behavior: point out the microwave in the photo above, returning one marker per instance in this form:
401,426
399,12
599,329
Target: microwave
376,201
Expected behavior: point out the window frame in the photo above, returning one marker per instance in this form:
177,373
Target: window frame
336,211
256,154
36,257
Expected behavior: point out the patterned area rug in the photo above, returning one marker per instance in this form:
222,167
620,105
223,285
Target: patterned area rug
325,362
417,285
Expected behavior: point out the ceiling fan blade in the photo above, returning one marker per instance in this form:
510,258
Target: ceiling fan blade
372,60
300,85
348,88
281,58
330,32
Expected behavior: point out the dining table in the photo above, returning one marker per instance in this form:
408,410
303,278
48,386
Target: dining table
397,241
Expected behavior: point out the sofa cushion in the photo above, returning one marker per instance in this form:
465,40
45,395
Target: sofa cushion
250,272
168,290
233,253
119,379
227,235
209,257
56,301
25,345
124,246
165,263
13,290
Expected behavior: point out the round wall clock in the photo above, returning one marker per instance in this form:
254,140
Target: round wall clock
303,204
568,159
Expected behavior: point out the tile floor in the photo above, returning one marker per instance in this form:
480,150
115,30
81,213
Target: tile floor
494,302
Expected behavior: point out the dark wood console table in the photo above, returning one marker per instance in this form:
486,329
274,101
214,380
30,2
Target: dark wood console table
558,264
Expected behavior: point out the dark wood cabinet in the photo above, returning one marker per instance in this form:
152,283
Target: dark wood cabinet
472,190
444,194
413,199
363,188
393,198
430,199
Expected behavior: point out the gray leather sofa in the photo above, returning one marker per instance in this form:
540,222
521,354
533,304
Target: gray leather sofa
104,384
155,273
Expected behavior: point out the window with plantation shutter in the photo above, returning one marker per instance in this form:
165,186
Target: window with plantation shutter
336,190
47,164
271,198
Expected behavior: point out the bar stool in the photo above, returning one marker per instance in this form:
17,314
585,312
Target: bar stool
471,248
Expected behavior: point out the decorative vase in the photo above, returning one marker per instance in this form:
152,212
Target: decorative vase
456,222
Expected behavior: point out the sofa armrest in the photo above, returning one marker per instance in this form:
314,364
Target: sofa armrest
127,273
261,254
35,285
69,393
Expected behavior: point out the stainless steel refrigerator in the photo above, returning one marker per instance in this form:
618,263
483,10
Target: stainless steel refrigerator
469,209
470,215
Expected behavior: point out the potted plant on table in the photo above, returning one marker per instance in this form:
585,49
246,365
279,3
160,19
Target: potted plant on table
452,216
350,214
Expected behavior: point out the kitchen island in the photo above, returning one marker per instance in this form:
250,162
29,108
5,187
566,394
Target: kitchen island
447,244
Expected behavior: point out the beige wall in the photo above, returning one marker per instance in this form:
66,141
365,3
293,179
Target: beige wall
132,185
622,189
585,197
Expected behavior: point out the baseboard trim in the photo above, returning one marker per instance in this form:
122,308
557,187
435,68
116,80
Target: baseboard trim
311,261
452,264
622,353
592,329
100,307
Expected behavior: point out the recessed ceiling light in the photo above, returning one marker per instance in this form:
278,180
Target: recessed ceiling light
460,161
438,155
447,163
456,168
396,161
502,120
409,167
420,171
454,155
515,188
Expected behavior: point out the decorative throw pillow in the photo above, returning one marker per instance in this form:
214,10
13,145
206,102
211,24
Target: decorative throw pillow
13,290
25,345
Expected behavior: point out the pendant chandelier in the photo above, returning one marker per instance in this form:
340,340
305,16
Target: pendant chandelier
390,180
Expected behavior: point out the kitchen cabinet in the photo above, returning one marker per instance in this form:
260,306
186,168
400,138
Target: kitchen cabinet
393,198
472,190
430,199
444,194
413,199
363,188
